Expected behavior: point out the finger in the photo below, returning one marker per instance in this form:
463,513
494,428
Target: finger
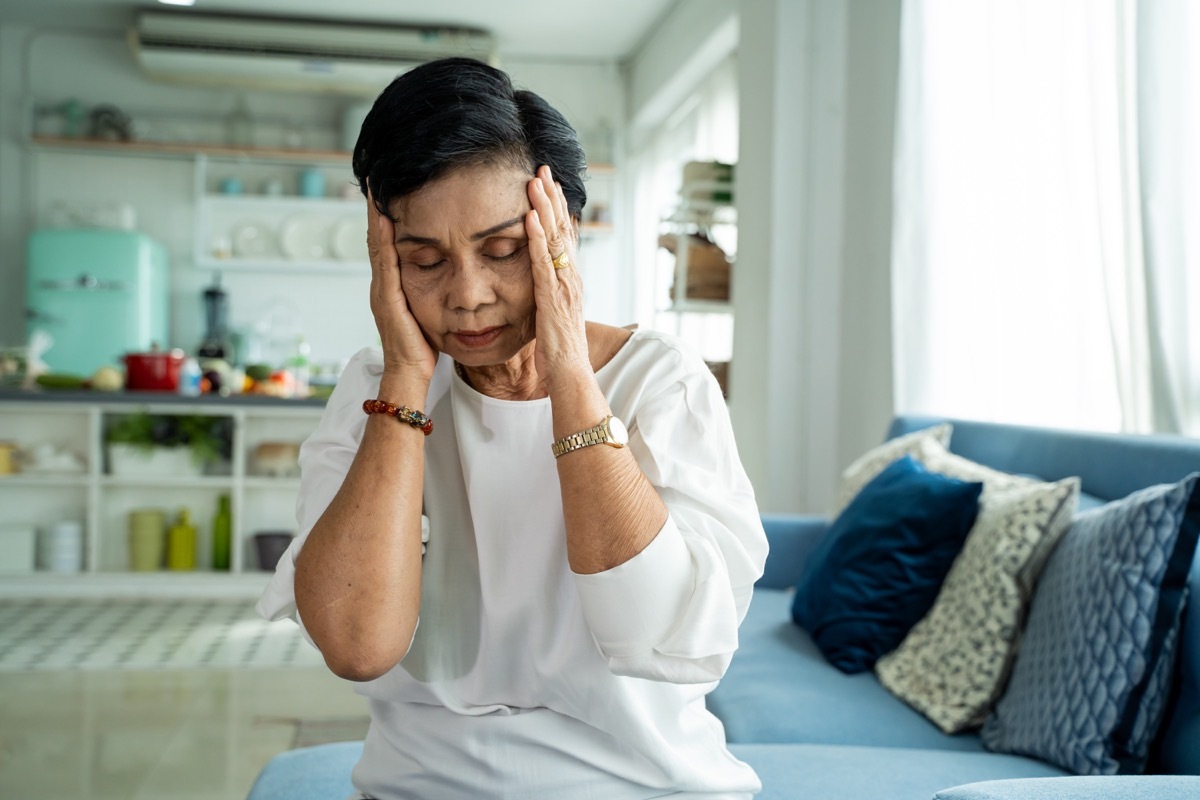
544,205
375,233
540,261
562,215
381,237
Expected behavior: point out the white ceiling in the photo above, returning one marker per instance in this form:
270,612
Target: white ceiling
555,29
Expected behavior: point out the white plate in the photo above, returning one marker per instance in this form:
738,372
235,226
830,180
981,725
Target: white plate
349,240
252,240
303,238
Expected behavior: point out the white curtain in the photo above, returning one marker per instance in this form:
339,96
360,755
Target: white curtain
1169,119
1020,292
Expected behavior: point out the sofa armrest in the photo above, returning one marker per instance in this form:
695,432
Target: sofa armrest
1107,787
791,538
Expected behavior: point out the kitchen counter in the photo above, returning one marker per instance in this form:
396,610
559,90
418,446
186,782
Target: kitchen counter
155,398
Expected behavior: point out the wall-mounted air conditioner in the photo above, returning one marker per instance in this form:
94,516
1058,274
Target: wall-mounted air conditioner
292,54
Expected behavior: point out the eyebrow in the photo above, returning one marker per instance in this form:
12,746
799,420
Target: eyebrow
474,237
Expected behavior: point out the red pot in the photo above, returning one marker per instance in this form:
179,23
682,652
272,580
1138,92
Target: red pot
156,371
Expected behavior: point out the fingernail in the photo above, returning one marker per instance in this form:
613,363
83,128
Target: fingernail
537,219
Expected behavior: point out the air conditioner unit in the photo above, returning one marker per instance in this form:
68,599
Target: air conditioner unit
306,55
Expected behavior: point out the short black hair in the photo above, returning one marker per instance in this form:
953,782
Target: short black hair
459,112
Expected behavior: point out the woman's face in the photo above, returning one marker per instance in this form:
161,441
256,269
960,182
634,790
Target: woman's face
464,262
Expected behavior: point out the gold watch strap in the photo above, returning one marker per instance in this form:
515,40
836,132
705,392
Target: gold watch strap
577,441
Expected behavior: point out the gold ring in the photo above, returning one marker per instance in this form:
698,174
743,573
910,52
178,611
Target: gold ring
561,261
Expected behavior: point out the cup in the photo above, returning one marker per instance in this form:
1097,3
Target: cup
312,183
62,547
231,186
271,546
147,539
8,458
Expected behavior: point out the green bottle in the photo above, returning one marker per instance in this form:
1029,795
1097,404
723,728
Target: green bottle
181,543
222,539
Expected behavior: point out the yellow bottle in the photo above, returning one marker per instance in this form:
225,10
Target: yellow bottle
181,543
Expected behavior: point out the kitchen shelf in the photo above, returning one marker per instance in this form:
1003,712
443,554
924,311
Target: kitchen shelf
291,484
191,150
210,264
287,203
101,502
34,480
701,307
305,222
206,584
168,481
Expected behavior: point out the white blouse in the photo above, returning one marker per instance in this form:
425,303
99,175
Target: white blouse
524,679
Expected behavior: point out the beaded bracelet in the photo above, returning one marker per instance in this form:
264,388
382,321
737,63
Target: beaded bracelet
402,413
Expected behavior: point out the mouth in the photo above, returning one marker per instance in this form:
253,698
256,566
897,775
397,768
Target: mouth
478,338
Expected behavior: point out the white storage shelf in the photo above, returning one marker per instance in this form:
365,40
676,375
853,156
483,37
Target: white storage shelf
704,207
286,232
102,501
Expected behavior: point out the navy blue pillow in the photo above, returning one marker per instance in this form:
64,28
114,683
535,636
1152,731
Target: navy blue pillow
878,569
1092,681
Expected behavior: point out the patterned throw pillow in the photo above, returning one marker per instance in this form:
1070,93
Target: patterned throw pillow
936,458
874,461
1090,685
953,664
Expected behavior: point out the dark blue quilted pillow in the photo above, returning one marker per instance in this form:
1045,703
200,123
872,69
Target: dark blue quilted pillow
1091,682
879,567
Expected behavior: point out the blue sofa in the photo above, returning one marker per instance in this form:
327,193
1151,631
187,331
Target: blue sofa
848,731
813,732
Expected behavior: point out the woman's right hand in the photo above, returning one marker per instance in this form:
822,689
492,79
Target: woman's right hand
407,354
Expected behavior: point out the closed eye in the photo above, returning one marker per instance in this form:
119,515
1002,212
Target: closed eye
503,255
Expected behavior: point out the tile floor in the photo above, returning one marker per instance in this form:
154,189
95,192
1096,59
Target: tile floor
189,731
121,633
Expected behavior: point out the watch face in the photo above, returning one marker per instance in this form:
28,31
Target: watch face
618,432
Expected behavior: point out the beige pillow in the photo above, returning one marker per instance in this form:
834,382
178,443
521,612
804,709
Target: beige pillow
876,460
954,663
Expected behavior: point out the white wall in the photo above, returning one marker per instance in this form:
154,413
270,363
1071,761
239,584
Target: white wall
332,309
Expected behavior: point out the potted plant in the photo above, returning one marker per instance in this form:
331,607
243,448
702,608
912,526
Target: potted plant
143,445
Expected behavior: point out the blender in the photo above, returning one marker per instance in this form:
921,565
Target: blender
216,314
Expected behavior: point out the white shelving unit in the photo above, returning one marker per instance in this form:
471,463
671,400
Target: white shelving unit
101,502
276,233
705,209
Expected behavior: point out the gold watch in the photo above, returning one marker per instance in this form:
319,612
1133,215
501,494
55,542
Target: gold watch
611,431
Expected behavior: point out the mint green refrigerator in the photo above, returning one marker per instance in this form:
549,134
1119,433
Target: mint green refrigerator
98,293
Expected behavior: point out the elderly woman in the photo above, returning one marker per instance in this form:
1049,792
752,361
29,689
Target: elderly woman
534,548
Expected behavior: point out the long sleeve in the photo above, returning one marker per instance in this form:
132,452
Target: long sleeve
325,458
672,612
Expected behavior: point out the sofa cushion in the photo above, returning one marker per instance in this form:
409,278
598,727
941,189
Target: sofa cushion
1090,686
809,771
309,773
953,664
875,460
878,569
779,688
788,772
1107,787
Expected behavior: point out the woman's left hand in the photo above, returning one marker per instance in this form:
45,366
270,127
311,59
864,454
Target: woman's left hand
562,350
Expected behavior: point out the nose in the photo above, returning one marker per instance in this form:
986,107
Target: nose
470,286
